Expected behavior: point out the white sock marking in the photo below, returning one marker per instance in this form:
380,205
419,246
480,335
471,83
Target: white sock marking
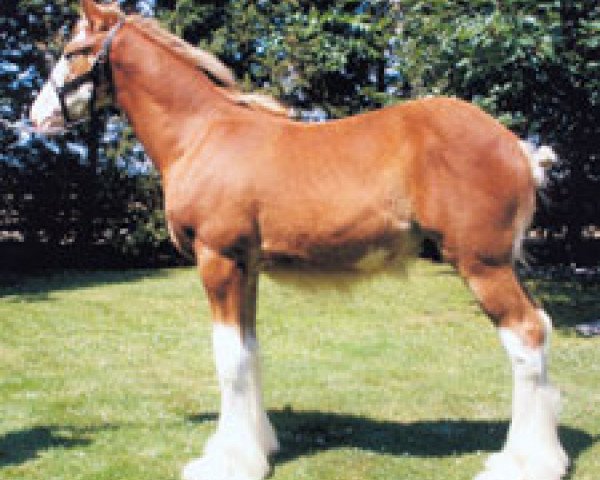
532,450
244,437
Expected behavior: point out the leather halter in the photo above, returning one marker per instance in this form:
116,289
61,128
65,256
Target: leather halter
100,70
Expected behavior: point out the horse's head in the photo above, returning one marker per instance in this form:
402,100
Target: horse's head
81,80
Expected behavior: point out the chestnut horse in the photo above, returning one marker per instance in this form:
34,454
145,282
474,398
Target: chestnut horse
246,186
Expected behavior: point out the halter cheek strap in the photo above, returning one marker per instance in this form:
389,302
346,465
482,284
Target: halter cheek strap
100,68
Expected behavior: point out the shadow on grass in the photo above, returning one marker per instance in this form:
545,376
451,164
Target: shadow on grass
21,446
568,302
37,287
303,433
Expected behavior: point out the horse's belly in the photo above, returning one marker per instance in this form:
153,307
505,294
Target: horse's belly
388,252
348,232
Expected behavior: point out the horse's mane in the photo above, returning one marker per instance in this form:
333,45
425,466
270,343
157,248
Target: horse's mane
211,66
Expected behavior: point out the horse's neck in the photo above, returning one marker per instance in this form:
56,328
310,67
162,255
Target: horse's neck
167,101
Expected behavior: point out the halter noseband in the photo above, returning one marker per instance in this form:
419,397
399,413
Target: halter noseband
100,69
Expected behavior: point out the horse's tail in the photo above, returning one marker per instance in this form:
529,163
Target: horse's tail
540,160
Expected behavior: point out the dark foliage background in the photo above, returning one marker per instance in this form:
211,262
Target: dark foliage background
533,64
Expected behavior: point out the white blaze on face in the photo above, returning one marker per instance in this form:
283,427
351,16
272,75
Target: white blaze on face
46,111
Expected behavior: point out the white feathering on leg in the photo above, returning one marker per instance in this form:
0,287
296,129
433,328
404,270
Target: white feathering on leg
532,450
244,438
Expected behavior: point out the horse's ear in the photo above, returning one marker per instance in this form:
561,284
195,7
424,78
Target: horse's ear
91,11
100,17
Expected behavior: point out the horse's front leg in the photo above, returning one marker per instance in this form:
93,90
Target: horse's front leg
244,438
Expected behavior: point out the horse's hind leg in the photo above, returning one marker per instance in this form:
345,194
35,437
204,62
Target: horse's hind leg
244,438
532,450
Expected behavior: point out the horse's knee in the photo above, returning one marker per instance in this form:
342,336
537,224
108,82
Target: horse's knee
526,361
526,343
532,327
218,273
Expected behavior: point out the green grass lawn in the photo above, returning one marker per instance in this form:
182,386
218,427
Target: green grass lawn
109,375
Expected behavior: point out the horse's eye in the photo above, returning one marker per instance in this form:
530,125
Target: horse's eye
80,51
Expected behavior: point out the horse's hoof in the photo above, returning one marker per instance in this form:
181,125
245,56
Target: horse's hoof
510,466
228,458
211,468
